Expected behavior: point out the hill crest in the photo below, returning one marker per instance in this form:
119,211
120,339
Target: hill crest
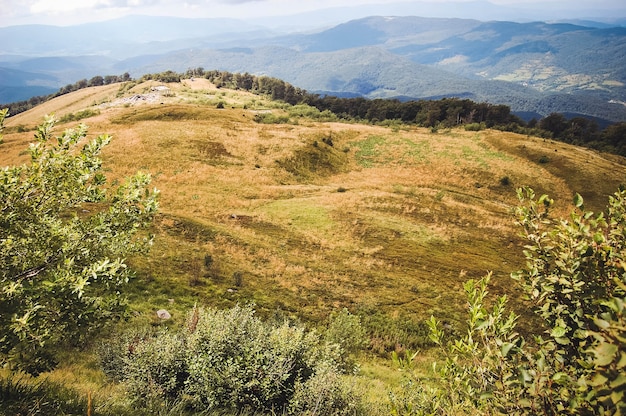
564,68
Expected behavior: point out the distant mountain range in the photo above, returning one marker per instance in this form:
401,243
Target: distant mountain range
536,67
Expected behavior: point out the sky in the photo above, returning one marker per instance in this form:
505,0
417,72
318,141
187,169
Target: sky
69,12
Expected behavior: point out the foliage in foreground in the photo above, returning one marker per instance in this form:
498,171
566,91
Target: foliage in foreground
576,278
63,235
21,396
230,360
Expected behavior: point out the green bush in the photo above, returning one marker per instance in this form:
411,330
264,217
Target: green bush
346,331
505,181
269,118
304,110
324,393
230,360
62,267
79,115
544,159
157,367
475,126
575,276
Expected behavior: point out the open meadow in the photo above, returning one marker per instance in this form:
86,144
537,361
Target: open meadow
267,204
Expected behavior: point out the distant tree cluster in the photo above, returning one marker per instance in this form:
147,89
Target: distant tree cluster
167,76
276,88
446,112
585,132
98,80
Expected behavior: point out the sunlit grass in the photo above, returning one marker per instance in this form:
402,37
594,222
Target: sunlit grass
386,221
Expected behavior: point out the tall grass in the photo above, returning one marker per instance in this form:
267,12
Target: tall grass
21,395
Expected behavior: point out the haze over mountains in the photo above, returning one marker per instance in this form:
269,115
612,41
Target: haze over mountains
534,67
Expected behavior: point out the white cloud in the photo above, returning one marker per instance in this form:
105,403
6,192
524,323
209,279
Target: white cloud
55,6
62,12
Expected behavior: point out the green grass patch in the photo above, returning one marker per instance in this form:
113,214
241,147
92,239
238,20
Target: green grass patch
302,214
418,151
368,150
22,395
165,113
79,115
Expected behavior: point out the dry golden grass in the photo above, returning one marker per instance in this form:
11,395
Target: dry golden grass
406,218
402,220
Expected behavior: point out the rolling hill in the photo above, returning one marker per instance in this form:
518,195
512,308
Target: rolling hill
386,218
308,215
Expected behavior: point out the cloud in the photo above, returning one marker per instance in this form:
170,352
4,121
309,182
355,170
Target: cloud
63,12
54,6
241,1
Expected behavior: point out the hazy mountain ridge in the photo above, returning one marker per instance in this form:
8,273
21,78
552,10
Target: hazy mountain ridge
533,67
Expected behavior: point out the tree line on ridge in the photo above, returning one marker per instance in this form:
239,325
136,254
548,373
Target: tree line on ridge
441,113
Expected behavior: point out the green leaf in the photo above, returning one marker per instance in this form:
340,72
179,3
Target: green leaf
563,341
605,353
560,378
619,381
616,396
506,348
578,200
598,379
622,360
601,323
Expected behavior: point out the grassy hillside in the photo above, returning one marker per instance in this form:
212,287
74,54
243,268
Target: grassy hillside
307,217
384,218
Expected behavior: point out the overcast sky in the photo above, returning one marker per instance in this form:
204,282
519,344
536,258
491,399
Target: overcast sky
65,12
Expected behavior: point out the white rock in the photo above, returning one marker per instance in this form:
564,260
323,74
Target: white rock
163,314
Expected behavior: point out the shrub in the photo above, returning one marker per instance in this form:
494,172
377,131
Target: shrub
230,360
269,118
79,115
475,126
62,267
345,330
325,393
156,367
4,112
576,278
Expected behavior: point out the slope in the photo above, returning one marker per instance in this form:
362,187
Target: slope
305,216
